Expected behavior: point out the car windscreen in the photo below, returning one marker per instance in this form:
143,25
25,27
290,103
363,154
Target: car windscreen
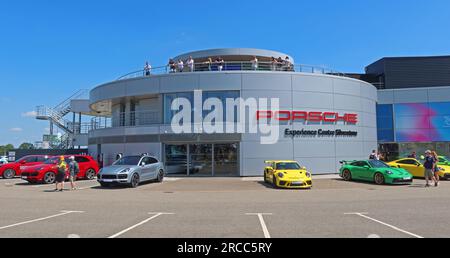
288,166
52,161
378,164
128,161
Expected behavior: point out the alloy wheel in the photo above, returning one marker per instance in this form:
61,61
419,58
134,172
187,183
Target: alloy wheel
49,178
90,174
9,174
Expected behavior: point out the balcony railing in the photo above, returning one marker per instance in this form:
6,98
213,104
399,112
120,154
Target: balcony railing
232,66
141,118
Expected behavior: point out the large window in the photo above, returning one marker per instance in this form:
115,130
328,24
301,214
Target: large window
221,95
385,122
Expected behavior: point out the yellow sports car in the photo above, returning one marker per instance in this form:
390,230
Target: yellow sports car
417,169
287,174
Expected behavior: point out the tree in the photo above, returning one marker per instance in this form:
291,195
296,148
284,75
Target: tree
5,148
26,146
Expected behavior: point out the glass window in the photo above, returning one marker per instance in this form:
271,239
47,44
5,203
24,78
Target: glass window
386,136
408,162
176,159
81,159
128,161
385,110
226,159
221,95
168,101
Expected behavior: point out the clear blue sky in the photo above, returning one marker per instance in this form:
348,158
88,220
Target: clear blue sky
49,49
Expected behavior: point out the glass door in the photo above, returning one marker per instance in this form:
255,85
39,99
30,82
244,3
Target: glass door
176,157
200,160
226,160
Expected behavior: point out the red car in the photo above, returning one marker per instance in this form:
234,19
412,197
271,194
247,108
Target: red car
46,172
11,170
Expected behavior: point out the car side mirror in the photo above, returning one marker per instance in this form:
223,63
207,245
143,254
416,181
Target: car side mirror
366,167
143,164
304,168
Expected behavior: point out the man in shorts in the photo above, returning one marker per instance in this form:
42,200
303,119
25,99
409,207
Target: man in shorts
74,169
430,164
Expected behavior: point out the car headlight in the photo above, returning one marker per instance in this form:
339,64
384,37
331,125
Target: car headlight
389,172
125,171
308,174
280,175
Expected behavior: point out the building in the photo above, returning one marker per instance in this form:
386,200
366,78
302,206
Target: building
324,116
413,104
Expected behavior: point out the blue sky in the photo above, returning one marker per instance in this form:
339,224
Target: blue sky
50,49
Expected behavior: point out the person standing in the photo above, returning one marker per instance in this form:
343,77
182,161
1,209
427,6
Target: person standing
413,155
436,167
208,64
147,69
61,174
374,155
220,63
191,64
430,165
74,169
172,66
255,63
180,66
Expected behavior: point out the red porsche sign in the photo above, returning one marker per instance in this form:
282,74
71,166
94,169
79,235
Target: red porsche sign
327,117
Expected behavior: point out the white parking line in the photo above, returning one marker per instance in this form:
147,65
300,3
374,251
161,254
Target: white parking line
263,223
364,215
41,219
155,215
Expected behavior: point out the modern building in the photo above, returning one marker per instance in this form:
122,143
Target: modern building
413,104
325,116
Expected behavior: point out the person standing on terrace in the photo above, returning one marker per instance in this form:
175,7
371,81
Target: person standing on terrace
255,63
147,69
208,64
191,64
180,65
172,66
220,63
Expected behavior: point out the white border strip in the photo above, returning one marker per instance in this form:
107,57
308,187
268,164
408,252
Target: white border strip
364,215
41,219
156,215
263,223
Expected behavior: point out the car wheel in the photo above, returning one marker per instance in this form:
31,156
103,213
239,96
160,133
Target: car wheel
134,181
160,177
90,174
265,177
347,175
9,174
49,178
275,183
379,179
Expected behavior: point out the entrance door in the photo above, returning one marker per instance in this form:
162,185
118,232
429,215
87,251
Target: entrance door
176,157
200,160
226,159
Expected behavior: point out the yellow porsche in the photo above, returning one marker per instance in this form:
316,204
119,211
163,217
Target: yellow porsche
287,174
417,169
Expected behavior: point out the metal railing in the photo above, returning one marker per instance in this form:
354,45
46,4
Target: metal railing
232,66
141,118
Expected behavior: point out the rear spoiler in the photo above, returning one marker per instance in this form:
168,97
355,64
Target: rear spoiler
345,162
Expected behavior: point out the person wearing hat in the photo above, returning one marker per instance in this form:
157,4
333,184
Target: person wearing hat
430,165
61,175
74,169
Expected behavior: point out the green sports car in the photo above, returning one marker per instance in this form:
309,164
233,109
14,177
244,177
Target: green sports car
444,161
374,171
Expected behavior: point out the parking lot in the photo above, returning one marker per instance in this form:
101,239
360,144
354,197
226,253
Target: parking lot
225,208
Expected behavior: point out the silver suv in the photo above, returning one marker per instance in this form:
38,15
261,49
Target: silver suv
131,171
